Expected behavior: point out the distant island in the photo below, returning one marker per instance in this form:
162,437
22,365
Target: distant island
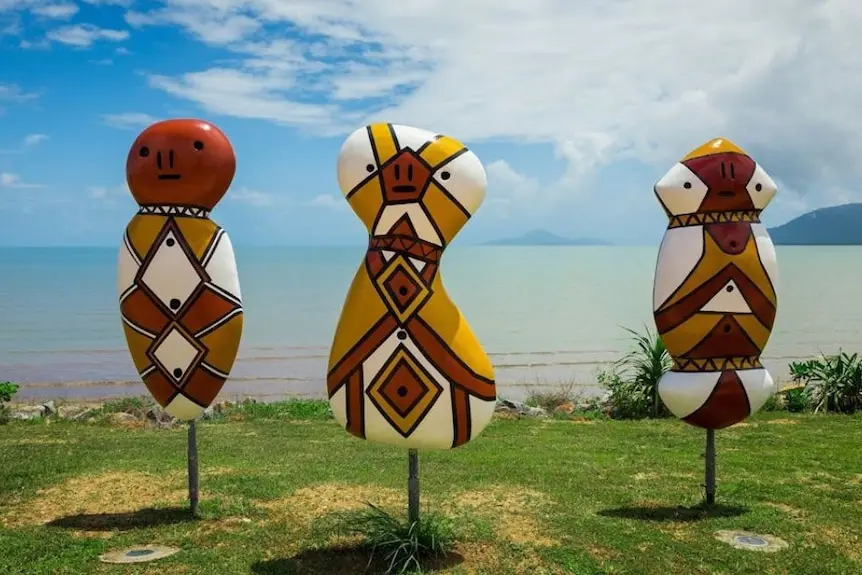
833,226
546,238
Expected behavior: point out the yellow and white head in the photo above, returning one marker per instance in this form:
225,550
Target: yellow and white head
386,164
715,177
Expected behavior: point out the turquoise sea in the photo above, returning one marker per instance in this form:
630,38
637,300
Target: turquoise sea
544,314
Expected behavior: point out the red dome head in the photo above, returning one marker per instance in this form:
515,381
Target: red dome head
180,162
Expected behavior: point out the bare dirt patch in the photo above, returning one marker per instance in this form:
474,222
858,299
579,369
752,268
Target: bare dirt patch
512,510
113,492
791,511
600,553
783,421
840,538
644,476
679,530
310,503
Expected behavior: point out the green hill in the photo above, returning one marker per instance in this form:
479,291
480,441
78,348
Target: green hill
545,238
833,226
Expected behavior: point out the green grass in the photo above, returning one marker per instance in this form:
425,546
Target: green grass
528,496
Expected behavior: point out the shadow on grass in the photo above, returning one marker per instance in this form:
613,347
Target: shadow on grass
119,521
693,513
341,561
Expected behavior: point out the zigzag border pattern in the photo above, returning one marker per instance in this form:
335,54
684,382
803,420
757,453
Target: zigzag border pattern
699,219
719,364
182,211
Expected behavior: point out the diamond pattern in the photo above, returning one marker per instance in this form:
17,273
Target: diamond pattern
170,275
404,392
402,289
176,353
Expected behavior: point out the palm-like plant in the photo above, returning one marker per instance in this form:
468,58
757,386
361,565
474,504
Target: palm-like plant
634,378
832,382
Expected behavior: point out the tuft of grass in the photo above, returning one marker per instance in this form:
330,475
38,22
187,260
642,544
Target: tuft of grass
137,406
396,544
549,398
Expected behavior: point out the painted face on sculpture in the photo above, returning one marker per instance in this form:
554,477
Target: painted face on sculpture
405,176
180,162
717,177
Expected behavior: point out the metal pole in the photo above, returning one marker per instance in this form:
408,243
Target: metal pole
413,487
193,468
710,467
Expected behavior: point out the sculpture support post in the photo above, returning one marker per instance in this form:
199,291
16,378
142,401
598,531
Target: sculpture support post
193,468
710,467
413,487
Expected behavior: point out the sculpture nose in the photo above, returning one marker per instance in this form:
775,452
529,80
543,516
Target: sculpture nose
406,174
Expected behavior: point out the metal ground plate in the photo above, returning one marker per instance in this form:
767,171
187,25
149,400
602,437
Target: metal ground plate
141,554
751,541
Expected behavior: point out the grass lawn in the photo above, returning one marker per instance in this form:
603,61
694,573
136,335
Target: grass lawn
528,496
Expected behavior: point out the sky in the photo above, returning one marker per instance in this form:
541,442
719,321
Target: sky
575,107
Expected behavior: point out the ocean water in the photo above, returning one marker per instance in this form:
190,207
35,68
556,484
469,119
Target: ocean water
544,314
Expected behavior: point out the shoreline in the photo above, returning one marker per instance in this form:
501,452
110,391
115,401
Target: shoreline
95,391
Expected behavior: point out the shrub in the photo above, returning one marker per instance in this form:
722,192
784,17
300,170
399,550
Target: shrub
633,379
7,390
549,398
832,383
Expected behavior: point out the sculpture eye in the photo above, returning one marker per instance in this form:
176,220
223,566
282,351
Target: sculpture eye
355,161
465,181
144,152
198,145
680,190
761,188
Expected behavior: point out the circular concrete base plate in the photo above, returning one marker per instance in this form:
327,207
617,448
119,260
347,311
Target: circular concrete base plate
751,541
140,554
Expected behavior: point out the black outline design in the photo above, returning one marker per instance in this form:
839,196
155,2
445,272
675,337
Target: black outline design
351,357
174,317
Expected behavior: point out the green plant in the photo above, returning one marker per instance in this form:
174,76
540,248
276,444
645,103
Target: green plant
400,546
137,406
833,383
795,399
633,379
549,398
7,390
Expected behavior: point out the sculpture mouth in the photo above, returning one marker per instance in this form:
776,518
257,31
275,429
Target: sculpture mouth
726,194
169,176
404,189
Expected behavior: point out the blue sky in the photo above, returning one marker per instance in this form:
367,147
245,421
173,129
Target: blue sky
566,107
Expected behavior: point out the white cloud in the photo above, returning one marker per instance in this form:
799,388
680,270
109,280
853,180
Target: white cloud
33,139
327,201
14,93
29,141
253,197
109,193
600,82
56,10
84,35
128,120
14,181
